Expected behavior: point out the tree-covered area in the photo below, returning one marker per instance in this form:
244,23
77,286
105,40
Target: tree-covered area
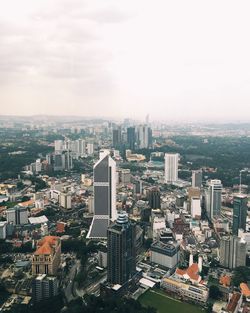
92,304
228,155
241,275
18,150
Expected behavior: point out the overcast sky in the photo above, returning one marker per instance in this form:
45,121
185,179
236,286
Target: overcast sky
178,59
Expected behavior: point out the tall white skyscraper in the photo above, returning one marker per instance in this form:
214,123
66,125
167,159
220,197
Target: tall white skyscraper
58,145
171,167
80,148
104,196
213,198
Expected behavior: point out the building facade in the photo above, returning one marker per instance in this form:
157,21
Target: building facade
232,252
239,213
104,196
46,259
121,250
213,198
171,167
165,254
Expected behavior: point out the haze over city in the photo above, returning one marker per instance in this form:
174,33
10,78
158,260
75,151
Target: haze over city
185,60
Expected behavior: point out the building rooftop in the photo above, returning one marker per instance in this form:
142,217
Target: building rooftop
46,245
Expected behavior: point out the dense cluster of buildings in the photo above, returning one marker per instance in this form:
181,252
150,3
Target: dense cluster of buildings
151,228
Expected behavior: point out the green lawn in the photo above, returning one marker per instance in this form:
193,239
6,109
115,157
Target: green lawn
164,304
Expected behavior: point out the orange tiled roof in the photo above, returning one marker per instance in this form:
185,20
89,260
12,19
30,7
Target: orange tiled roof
245,289
192,272
27,203
46,245
225,280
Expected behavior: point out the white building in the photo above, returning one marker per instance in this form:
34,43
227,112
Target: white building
171,167
196,208
90,148
65,200
143,136
3,226
165,254
58,145
17,215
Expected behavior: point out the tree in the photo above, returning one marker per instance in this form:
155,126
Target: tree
214,292
240,275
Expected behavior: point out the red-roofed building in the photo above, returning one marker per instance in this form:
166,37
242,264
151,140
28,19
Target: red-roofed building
234,303
60,227
191,273
47,257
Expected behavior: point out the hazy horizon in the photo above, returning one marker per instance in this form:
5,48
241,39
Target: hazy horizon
186,60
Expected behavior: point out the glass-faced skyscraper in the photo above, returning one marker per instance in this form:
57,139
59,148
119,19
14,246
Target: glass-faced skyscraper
104,196
239,213
121,250
213,198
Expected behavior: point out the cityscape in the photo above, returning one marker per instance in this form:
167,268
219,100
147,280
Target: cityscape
124,156
93,211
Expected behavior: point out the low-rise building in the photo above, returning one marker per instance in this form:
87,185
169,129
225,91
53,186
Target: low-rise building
47,257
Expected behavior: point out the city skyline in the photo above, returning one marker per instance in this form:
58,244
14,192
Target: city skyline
86,58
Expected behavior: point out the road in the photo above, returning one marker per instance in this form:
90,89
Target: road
69,285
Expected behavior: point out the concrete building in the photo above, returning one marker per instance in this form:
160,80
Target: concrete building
121,250
3,230
104,196
46,259
186,289
213,192
239,213
232,252
196,208
154,198
131,138
197,178
116,137
171,167
90,148
17,215
165,254
144,137
44,287
65,200
125,176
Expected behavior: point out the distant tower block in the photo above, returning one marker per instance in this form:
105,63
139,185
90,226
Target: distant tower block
200,260
191,259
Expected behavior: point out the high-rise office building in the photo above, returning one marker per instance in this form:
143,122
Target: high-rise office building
117,137
239,213
121,250
197,178
213,198
171,167
58,146
3,230
17,215
232,252
80,148
131,138
144,136
154,198
44,287
104,196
